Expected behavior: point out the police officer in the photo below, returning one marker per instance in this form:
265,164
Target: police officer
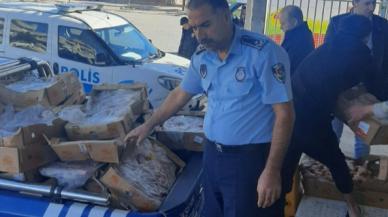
249,117
336,66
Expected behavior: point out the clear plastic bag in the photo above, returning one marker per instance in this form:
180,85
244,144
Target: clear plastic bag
11,121
70,175
150,170
183,123
31,82
106,107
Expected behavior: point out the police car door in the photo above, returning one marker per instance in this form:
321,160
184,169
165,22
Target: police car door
80,51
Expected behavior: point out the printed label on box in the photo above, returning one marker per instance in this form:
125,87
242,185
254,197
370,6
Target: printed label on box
198,139
364,127
83,148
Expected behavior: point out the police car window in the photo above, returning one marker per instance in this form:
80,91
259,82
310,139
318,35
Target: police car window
81,45
1,30
28,35
127,42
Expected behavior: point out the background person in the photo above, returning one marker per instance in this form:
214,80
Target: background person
298,40
377,41
188,43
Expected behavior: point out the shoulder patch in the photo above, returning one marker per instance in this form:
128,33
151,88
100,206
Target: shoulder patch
200,49
279,72
257,43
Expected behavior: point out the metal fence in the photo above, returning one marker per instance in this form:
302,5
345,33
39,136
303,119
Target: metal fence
317,13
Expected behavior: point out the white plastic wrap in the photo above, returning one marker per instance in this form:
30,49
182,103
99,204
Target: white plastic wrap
70,175
150,170
11,121
31,82
106,107
72,113
183,123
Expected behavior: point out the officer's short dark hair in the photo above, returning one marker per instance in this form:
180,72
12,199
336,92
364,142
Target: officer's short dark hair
355,25
215,4
184,20
294,12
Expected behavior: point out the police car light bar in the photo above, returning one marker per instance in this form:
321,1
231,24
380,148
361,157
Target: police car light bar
68,8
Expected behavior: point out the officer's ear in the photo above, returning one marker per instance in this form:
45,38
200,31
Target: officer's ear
225,14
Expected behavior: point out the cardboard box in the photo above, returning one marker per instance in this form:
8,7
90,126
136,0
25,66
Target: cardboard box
116,129
126,194
178,140
368,190
98,150
137,109
65,85
371,130
18,160
293,198
364,196
33,134
49,96
181,140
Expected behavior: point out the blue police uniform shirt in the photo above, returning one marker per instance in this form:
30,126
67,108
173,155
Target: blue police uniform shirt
241,89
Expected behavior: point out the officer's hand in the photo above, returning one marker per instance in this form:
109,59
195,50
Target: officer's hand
139,133
268,188
359,112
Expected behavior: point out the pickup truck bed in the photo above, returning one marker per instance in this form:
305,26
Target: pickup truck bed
184,200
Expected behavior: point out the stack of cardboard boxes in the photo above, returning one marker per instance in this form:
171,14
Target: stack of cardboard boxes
24,150
370,179
91,130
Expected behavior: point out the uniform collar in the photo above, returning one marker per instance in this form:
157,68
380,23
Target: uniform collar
235,47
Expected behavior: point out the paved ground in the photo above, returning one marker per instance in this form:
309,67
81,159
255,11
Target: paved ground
161,25
318,207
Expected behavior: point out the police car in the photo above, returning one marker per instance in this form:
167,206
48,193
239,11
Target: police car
98,46
23,199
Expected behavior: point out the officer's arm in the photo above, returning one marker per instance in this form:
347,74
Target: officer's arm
269,184
284,122
174,101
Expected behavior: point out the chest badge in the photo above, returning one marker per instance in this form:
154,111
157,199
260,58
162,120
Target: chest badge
279,72
203,70
240,74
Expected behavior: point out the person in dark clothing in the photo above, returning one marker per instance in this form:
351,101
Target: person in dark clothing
378,43
188,43
334,67
298,40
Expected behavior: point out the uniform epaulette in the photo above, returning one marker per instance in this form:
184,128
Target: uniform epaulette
200,49
253,42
